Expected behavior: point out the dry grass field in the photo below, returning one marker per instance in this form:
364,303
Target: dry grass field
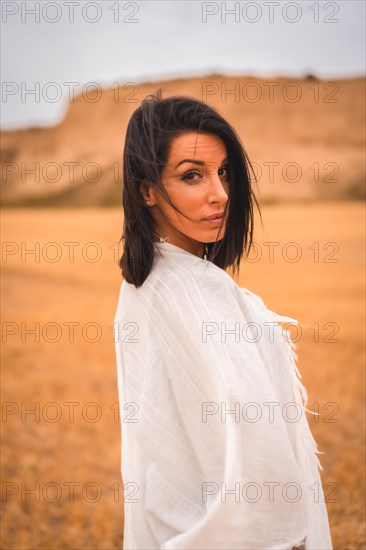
60,466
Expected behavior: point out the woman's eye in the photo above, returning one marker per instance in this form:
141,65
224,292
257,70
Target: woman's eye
191,176
224,171
194,176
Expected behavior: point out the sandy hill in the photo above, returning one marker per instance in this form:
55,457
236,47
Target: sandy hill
305,137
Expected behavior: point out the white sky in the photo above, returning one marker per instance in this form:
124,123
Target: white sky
167,38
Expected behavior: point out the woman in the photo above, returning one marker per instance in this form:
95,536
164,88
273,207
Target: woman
216,448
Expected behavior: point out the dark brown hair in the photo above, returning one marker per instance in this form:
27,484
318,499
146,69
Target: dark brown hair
150,132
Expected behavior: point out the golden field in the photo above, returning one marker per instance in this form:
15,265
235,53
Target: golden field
61,464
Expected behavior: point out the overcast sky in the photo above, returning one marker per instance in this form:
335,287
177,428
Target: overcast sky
109,41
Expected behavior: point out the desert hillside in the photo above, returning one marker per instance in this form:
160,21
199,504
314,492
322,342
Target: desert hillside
304,136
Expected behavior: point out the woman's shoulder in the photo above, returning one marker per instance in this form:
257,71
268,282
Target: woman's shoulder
179,281
187,278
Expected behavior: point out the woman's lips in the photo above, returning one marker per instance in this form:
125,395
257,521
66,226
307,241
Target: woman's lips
215,221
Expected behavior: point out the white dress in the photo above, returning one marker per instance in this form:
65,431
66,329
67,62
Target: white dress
217,452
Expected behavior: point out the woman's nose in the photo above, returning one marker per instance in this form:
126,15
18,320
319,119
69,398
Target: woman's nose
217,188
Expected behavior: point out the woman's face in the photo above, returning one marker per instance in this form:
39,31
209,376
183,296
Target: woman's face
196,180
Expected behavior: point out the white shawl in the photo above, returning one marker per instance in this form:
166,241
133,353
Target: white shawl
217,452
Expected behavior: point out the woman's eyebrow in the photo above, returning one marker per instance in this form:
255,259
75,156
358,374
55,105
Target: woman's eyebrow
199,162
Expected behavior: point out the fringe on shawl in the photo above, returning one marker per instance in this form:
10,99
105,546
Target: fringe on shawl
300,392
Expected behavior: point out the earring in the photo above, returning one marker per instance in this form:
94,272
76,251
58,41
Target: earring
148,203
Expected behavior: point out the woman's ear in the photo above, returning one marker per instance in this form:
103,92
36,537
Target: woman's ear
145,190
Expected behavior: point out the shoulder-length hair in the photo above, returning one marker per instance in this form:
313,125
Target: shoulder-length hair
149,135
